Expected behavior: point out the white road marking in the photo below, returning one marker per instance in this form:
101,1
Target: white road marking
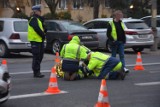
46,71
34,95
157,63
148,83
28,72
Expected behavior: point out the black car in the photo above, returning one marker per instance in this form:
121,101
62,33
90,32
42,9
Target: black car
60,32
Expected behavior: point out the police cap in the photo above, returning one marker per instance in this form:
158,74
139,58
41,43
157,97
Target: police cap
36,7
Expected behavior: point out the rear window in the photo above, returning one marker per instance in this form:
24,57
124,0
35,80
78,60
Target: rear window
73,26
136,25
21,26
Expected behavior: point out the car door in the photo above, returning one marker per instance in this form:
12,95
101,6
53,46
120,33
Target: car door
100,27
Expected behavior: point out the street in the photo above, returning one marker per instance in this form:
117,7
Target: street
139,89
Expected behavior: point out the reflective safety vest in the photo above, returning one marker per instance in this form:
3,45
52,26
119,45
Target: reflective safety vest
32,35
72,52
97,61
114,32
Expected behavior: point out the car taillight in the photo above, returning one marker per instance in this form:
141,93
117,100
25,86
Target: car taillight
14,36
131,33
70,37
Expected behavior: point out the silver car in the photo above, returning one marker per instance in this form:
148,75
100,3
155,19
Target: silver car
4,85
147,20
13,36
138,34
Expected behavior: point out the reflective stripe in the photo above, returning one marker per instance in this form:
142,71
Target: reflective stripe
53,84
53,75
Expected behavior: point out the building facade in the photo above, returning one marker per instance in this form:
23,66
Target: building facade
80,9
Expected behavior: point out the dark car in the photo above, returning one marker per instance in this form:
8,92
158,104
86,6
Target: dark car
60,32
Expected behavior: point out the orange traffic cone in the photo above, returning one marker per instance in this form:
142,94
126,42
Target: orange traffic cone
53,86
57,60
4,65
139,65
103,96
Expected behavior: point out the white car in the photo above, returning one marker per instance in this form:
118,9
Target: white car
138,34
13,36
4,85
147,20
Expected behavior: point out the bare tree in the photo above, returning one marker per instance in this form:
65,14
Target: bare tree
52,4
96,4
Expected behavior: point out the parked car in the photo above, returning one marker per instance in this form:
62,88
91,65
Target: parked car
138,34
147,20
4,85
60,32
13,36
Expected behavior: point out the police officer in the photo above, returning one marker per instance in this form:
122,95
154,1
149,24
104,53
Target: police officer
101,65
36,36
72,53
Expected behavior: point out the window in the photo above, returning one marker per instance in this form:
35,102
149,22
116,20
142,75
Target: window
107,3
21,26
136,25
78,4
1,26
63,4
36,2
52,26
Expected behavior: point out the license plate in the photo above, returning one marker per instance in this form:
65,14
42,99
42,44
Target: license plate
143,36
87,37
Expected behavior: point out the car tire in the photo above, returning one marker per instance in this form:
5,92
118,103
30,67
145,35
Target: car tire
4,52
56,46
138,49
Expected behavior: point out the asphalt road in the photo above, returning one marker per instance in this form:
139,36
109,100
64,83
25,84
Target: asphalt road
139,89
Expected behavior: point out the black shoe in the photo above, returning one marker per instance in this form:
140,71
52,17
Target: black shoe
122,74
38,76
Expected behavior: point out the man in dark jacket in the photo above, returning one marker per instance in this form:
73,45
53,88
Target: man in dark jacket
116,36
36,36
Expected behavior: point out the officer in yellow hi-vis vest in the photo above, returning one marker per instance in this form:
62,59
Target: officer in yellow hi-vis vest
101,65
36,36
72,53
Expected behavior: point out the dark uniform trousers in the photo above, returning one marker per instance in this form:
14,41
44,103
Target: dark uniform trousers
37,52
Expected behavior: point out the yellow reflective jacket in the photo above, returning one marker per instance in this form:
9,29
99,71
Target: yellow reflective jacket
32,35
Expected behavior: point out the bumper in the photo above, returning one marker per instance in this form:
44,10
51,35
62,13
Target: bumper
91,45
20,45
4,91
139,44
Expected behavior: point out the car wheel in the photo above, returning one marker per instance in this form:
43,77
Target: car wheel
138,49
108,48
56,46
4,52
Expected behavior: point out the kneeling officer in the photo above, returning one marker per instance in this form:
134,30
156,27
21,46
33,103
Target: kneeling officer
71,54
104,66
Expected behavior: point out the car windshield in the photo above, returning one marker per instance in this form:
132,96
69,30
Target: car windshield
136,25
21,26
73,26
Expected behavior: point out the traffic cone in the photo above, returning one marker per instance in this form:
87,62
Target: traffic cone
4,65
57,60
103,100
139,65
53,86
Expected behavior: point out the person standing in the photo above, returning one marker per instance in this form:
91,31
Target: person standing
116,36
36,36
